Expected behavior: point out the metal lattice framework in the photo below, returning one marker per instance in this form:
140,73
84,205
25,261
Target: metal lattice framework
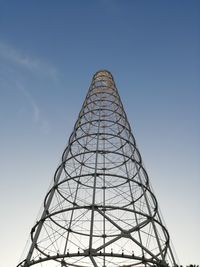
100,210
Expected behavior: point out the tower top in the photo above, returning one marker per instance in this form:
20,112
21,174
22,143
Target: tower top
103,78
103,72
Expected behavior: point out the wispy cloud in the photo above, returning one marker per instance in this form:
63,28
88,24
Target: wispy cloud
12,54
13,78
35,108
37,117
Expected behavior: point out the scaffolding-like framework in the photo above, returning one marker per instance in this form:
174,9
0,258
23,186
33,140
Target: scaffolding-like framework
100,210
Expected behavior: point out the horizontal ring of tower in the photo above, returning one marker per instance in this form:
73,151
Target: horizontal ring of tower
103,90
64,258
133,152
77,179
103,106
105,110
100,209
112,96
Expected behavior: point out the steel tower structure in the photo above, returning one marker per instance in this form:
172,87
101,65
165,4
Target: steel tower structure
100,210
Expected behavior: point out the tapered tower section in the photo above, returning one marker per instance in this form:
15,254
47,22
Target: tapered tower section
100,211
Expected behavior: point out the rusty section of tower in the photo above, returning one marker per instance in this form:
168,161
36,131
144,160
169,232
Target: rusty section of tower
100,210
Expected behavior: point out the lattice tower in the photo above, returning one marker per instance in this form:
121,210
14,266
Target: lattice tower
101,210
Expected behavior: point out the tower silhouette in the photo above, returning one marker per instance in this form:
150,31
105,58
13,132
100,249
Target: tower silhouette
100,210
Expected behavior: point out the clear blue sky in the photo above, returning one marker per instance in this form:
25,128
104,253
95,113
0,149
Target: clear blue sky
49,51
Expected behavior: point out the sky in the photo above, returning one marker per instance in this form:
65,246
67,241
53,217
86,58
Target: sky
49,51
